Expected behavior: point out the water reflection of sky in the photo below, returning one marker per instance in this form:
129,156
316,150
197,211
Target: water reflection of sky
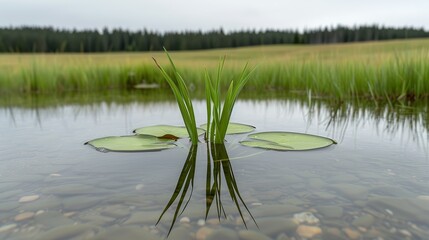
376,149
357,128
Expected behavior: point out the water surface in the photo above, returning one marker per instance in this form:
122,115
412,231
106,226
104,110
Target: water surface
374,184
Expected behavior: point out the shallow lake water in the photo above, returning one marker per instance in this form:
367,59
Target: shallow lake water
373,184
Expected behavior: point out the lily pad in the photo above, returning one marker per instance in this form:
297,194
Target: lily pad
133,143
166,131
235,128
287,141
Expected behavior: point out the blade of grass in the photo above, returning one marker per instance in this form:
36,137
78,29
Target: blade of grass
231,98
188,118
208,107
185,92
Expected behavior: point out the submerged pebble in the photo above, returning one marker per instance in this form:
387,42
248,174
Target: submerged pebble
8,227
406,233
48,203
389,212
203,232
69,214
28,198
213,221
24,216
201,222
305,217
40,212
308,231
351,234
185,220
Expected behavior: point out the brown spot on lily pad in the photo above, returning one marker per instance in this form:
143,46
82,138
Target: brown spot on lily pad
169,136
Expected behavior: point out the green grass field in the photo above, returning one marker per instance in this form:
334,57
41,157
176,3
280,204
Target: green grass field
376,70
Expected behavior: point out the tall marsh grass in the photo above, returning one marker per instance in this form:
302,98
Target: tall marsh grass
404,77
396,70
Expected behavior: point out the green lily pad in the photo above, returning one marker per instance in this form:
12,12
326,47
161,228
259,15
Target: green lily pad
235,128
133,143
166,131
287,141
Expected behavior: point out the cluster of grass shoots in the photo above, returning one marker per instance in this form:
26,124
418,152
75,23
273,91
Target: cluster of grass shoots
218,110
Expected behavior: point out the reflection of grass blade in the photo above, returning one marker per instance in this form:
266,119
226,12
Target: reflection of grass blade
233,190
182,197
186,179
217,183
209,193
232,183
213,192
221,162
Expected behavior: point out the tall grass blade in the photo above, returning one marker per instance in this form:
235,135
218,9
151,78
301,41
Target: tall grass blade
185,92
219,114
183,100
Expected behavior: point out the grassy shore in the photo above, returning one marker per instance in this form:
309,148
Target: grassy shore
397,70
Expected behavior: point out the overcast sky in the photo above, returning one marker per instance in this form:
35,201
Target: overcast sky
179,15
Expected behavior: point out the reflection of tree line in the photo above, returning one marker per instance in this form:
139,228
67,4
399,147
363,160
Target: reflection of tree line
337,116
218,168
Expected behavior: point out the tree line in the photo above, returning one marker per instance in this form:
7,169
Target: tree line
48,39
